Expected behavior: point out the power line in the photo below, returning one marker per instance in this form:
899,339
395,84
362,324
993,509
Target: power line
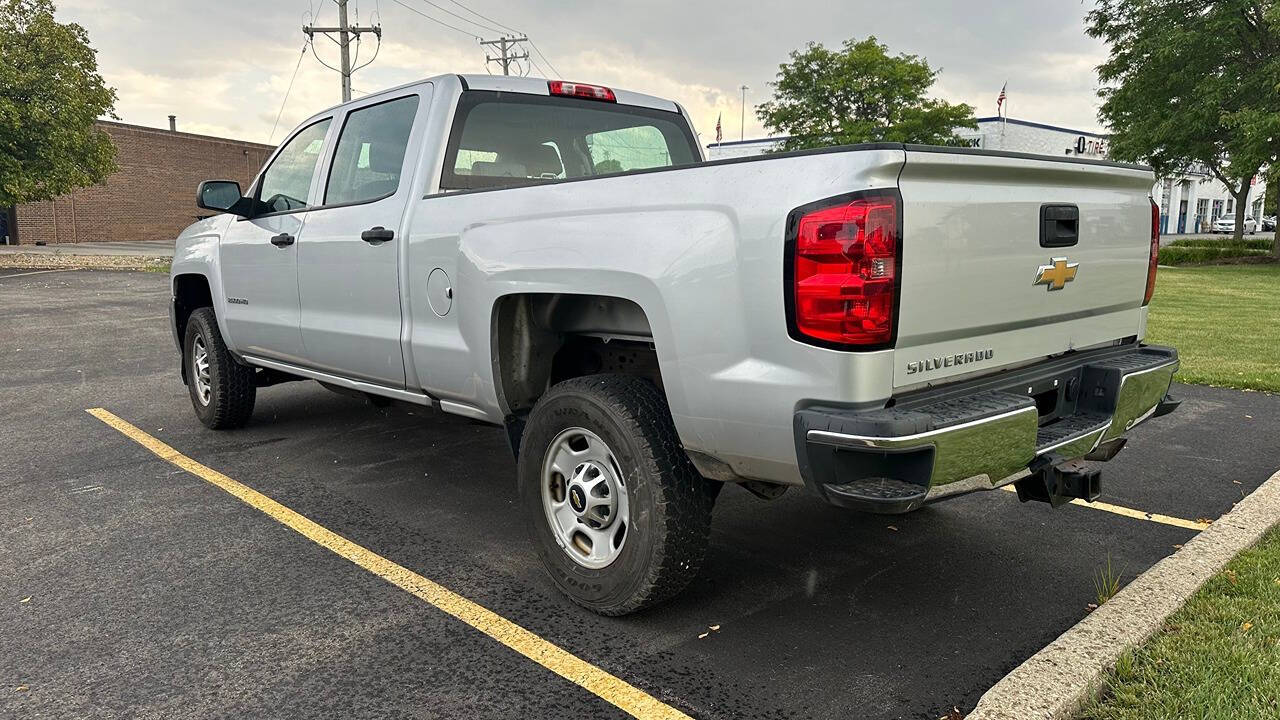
534,45
286,93
311,44
447,11
487,18
538,67
506,28
506,57
356,62
436,21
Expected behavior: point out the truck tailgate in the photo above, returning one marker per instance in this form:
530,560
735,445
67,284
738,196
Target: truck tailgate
972,253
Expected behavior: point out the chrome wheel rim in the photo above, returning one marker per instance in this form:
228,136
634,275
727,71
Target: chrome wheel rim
200,370
584,499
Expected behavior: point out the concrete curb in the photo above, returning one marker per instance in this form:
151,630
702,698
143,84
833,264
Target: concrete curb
1054,683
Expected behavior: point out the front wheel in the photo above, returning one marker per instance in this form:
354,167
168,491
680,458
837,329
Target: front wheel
222,390
618,514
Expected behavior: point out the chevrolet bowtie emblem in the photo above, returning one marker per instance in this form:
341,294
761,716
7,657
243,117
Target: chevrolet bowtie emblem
1056,275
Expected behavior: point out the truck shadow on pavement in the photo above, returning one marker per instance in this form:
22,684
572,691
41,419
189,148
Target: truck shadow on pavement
899,611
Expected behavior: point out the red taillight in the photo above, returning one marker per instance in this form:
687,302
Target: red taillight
845,272
579,90
1155,252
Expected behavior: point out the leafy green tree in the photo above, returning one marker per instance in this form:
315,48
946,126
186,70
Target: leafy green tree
50,96
608,166
858,94
1190,82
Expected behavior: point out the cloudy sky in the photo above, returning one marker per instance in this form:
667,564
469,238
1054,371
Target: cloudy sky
223,67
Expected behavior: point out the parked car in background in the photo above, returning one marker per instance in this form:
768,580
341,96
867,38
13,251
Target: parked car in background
1227,224
1269,223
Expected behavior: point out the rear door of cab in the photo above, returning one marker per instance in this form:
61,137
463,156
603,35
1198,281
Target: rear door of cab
349,256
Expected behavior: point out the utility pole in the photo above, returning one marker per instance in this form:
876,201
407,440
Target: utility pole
505,46
742,123
344,32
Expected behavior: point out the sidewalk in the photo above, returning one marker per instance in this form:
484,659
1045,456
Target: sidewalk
1219,237
146,248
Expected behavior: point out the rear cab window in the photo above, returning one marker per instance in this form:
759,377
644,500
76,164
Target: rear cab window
502,139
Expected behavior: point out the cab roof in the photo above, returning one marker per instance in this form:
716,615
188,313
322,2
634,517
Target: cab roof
538,86
507,83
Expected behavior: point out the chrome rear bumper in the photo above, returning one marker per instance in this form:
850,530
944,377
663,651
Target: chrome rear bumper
982,434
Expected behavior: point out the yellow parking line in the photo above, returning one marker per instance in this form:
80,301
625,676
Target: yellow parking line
1137,514
38,272
625,696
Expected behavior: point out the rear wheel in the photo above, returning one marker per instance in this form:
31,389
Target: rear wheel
618,514
222,390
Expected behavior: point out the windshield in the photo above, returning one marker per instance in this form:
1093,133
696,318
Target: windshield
505,139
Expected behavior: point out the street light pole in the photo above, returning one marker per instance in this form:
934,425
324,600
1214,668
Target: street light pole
742,122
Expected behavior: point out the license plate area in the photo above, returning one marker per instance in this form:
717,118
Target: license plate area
1055,396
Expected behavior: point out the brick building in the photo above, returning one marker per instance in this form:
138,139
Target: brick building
151,197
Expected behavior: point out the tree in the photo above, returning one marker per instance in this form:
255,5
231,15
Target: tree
859,94
50,96
1189,82
608,166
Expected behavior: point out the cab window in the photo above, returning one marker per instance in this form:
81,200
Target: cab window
287,181
370,153
634,148
505,139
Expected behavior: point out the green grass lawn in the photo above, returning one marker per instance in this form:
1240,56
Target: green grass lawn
1218,658
1225,322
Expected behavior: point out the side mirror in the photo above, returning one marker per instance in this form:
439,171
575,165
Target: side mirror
221,196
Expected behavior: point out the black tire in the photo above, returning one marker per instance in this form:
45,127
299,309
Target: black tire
669,519
232,388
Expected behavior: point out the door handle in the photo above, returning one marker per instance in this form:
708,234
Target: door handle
377,234
282,240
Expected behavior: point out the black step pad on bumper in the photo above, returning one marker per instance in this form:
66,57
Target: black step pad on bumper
1065,429
881,492
896,422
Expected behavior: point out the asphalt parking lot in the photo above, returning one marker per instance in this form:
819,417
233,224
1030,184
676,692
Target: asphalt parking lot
153,593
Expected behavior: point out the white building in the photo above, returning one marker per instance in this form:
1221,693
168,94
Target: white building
742,148
1196,198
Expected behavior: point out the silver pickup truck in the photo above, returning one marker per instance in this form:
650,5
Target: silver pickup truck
886,325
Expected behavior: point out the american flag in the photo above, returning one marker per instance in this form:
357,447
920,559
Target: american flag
1000,100
719,131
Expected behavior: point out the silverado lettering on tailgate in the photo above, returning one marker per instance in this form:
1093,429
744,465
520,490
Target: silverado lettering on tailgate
946,361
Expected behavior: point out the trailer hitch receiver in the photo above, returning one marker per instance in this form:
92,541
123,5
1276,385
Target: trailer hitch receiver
1060,482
